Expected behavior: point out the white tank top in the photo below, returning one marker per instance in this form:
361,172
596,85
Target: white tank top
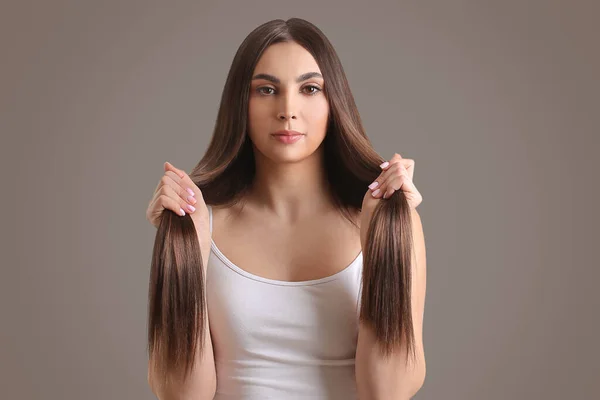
282,340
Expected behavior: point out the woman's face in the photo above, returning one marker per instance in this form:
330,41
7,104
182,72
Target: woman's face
284,97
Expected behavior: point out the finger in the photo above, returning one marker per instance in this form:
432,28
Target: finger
182,203
395,170
403,183
186,191
391,186
383,177
165,202
170,167
159,202
396,157
172,180
409,164
376,184
186,182
167,166
396,183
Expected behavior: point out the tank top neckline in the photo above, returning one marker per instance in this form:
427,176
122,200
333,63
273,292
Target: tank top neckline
258,278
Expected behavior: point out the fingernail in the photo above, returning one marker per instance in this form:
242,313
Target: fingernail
181,212
191,208
373,185
190,191
191,199
375,193
385,164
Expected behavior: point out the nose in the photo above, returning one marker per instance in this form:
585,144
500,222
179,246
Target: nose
287,105
286,115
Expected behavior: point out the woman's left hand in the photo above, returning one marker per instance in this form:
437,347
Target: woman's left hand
396,175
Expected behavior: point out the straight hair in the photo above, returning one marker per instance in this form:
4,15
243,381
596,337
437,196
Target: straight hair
177,308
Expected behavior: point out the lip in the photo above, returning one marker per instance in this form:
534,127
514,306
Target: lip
288,139
286,133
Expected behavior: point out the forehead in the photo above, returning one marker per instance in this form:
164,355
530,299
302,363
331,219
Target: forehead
286,61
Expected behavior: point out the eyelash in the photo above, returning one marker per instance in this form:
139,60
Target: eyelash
259,90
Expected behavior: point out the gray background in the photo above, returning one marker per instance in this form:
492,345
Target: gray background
497,102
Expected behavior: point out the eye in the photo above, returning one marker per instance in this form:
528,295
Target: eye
317,89
260,89
264,90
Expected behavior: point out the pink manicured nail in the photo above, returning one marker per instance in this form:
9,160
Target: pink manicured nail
191,199
191,208
385,164
181,212
373,185
190,191
375,193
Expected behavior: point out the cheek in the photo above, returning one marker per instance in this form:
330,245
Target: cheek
254,111
318,113
257,116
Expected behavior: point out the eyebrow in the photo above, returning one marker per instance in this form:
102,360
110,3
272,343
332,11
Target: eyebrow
299,79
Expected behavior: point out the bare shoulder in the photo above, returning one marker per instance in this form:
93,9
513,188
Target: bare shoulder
223,213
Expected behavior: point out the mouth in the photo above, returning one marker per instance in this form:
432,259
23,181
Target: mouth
287,133
288,138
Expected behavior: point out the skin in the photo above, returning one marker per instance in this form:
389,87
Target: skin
290,185
289,207
290,182
289,201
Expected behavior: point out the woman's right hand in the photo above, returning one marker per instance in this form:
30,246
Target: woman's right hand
175,192
172,194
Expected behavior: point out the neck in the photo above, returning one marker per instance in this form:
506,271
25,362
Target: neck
291,190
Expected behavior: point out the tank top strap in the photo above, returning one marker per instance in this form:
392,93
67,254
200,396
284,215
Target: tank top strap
209,218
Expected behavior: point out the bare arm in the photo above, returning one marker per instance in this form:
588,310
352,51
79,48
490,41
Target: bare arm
378,378
173,193
202,383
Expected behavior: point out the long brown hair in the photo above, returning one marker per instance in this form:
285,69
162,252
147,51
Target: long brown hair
177,303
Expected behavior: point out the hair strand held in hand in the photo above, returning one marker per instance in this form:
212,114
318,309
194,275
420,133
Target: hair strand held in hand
177,306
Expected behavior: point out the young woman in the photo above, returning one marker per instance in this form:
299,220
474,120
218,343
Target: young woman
315,283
